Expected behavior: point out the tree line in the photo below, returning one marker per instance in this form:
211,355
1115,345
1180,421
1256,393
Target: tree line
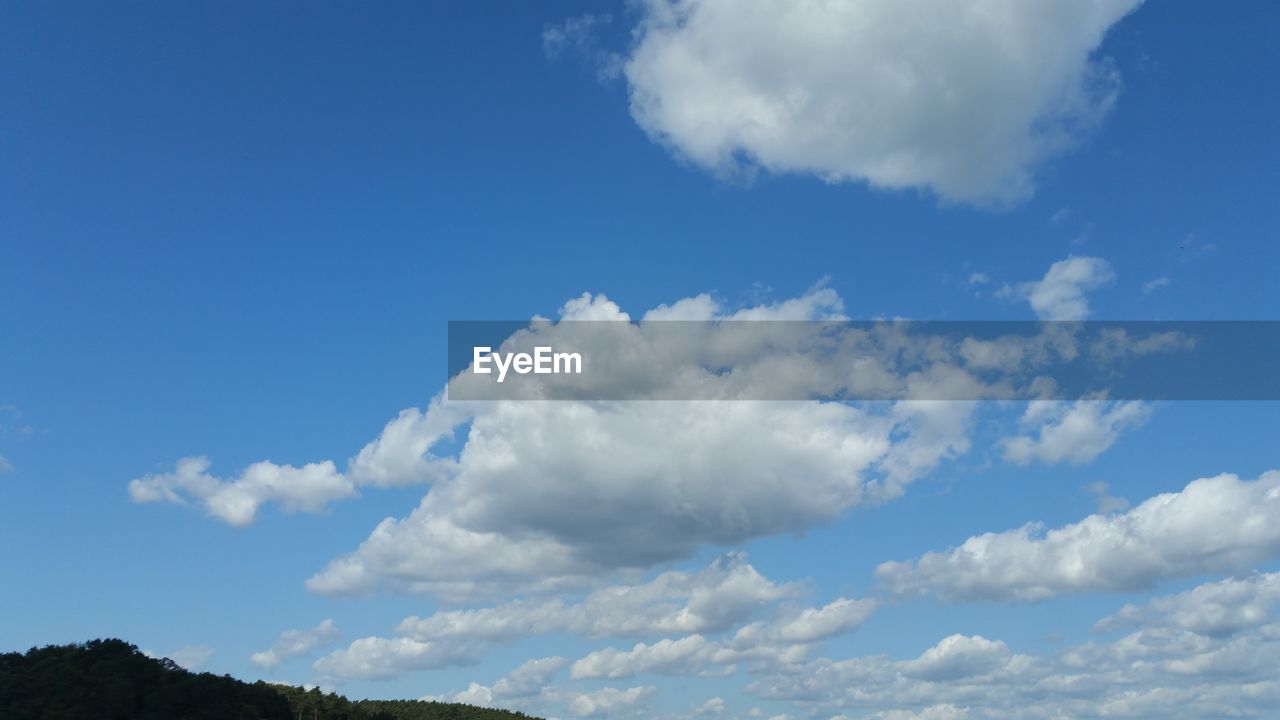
113,680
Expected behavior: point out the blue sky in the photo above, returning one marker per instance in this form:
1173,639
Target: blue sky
238,231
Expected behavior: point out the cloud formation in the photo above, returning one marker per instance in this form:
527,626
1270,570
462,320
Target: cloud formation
722,600
397,457
1061,293
296,643
1213,525
1072,432
963,99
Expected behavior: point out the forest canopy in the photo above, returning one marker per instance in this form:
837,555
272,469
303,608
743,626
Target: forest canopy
113,680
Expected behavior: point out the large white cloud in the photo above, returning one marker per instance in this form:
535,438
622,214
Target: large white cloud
545,495
1217,524
961,98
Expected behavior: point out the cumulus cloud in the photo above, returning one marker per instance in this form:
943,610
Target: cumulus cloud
807,626
944,711
526,687
397,457
960,98
296,643
722,595
1217,524
713,706
785,639
503,514
958,656
609,701
662,478
1072,432
1217,609
671,657
1162,670
1060,294
716,600
530,678
381,658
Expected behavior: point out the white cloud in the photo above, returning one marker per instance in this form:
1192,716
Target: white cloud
397,457
608,701
807,626
1060,294
380,658
1161,671
713,706
1217,609
670,657
530,678
475,694
962,98
945,711
309,488
1073,432
663,479
716,600
5,465
1218,524
296,643
1152,285
979,279
958,656
722,595
783,640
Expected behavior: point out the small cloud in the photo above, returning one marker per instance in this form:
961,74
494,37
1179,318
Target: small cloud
714,706
1152,285
979,279
5,465
1061,216
1060,294
1107,503
296,643
577,36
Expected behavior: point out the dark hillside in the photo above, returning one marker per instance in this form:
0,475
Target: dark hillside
113,680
